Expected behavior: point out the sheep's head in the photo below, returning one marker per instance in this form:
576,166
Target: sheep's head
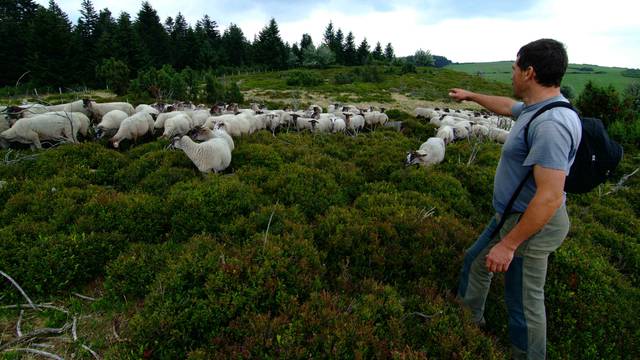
313,124
86,103
415,157
202,133
176,143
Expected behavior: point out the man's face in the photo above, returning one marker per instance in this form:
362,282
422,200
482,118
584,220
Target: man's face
517,77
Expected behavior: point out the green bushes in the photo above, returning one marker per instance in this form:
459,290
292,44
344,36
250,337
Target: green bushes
303,78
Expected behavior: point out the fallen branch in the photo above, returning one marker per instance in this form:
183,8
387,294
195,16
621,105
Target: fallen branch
37,307
19,288
18,331
91,351
37,352
84,297
74,329
620,184
426,317
44,332
268,225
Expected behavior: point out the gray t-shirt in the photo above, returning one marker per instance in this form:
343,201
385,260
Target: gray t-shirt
553,138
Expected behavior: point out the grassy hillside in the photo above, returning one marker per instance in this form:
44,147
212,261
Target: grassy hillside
577,75
308,246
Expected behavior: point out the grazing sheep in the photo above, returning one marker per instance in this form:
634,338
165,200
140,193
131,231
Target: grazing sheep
426,113
338,125
373,118
204,134
431,152
56,126
213,154
177,125
98,110
148,109
354,122
304,123
110,123
479,131
76,106
446,133
133,127
499,135
162,117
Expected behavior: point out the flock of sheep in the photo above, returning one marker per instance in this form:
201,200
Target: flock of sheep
456,125
206,134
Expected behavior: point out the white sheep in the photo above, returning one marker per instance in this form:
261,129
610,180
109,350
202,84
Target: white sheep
373,118
98,110
213,154
204,134
354,122
426,113
479,131
148,109
446,133
110,122
75,106
56,126
431,152
133,127
338,125
499,135
162,117
177,125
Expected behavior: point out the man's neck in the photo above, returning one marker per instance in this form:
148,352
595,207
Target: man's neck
540,93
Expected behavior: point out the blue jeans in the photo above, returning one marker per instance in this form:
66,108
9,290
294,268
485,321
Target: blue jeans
524,281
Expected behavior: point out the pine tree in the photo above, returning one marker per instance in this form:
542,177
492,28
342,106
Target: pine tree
377,52
388,53
269,49
235,46
329,35
105,33
179,43
338,47
350,54
363,52
126,44
306,41
153,37
208,51
50,48
16,18
86,43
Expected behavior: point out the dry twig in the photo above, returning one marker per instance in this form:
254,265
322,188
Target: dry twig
19,288
37,352
268,225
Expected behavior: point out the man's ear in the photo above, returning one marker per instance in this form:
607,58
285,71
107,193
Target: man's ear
530,73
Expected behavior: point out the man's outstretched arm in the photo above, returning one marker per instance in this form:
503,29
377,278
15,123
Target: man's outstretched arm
498,104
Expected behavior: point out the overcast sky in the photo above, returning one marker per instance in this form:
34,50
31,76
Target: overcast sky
602,32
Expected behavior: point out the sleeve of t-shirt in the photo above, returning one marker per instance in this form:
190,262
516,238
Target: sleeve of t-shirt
516,109
550,146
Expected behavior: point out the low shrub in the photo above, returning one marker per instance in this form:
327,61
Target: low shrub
303,78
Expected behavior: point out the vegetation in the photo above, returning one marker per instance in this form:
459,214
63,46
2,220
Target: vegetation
577,76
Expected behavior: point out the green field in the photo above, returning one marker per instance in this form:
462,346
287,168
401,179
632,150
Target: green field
577,74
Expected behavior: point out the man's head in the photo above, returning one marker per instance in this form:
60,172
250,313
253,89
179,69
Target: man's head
547,57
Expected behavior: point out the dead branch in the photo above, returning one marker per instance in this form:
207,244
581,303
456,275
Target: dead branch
269,225
91,351
74,329
19,288
84,297
38,333
426,317
620,184
37,352
37,307
18,331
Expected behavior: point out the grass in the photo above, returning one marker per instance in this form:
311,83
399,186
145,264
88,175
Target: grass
577,74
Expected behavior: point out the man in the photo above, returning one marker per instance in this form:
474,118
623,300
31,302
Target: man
538,221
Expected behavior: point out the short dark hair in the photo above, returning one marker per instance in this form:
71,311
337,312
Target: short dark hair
548,58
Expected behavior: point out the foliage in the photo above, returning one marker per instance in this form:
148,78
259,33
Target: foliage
303,78
602,103
115,74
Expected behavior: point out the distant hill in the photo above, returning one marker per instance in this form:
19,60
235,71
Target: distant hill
576,77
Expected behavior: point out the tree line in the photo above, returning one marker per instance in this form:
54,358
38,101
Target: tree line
41,46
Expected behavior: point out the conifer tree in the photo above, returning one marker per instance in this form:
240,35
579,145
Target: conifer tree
377,52
235,46
363,52
350,54
388,52
153,37
269,49
16,18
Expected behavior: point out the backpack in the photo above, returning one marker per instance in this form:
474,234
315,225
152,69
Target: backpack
596,158
597,154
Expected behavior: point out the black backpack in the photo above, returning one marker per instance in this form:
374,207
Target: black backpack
596,158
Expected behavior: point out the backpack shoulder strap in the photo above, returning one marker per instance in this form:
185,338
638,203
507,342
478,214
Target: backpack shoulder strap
543,109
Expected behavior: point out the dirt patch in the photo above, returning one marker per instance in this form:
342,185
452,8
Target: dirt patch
401,102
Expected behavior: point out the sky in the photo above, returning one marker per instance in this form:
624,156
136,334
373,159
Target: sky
602,32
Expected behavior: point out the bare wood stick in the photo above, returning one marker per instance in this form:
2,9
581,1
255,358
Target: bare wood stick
37,352
84,297
268,225
44,332
18,331
74,329
19,288
38,307
426,317
91,351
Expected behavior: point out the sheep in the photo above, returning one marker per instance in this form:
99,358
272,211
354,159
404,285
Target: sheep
133,127
149,109
204,134
354,122
97,110
198,117
76,106
460,131
213,154
373,118
110,122
31,110
162,117
426,113
338,125
446,133
499,135
325,122
304,123
58,125
177,125
479,131
5,123
431,152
